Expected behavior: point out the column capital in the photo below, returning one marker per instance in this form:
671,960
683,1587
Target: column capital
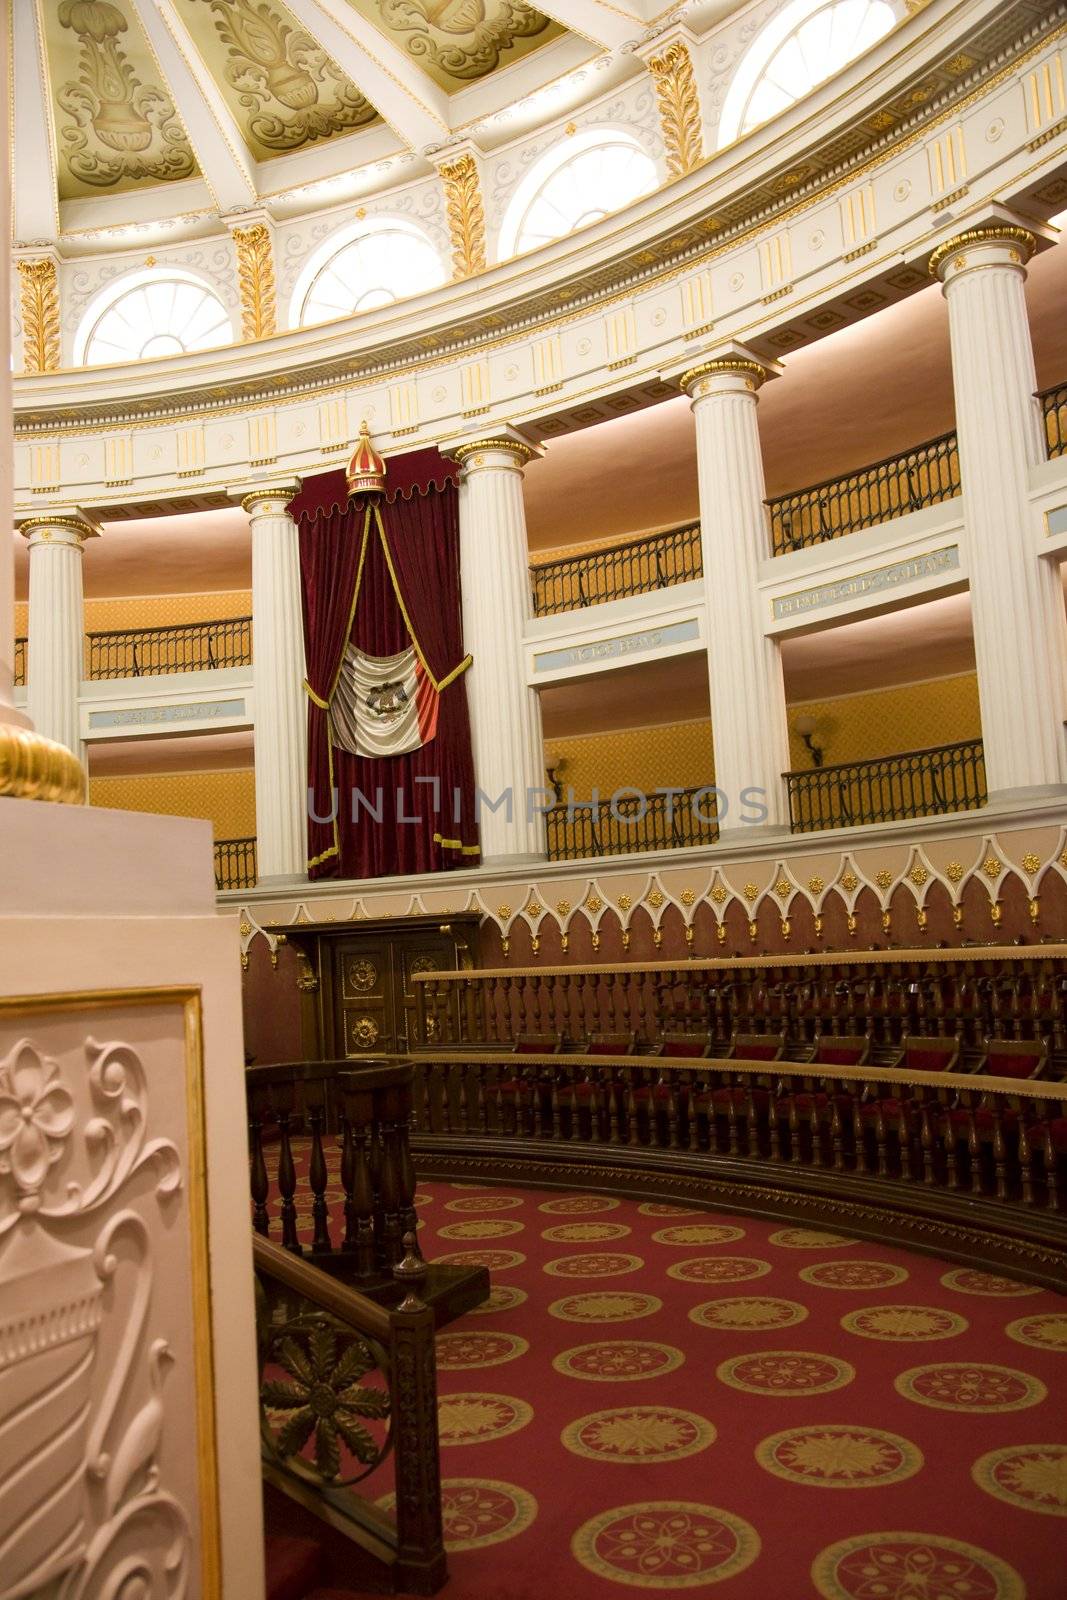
266,499
69,526
472,454
1001,244
726,370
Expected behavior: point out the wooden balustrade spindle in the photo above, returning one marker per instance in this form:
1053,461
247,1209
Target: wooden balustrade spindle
318,1175
258,1180
287,1169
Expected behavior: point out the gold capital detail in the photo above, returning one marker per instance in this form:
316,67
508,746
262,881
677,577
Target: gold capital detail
255,276
466,215
33,768
39,300
729,366
1022,238
522,452
679,108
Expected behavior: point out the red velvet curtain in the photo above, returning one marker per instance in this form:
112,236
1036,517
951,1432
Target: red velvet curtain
410,564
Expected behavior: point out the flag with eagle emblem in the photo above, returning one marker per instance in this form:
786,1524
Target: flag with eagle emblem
383,705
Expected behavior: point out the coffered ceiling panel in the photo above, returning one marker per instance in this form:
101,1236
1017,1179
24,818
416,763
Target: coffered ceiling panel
282,88
116,126
457,42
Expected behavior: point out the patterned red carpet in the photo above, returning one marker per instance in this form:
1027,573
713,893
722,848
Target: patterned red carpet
667,1400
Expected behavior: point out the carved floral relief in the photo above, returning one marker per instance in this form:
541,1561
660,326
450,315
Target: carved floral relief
282,87
456,41
84,1361
116,127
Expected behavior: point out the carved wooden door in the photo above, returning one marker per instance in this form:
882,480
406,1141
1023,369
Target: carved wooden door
363,1012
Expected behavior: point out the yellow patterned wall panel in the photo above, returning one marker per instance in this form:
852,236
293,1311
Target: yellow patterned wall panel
152,610
227,798
675,753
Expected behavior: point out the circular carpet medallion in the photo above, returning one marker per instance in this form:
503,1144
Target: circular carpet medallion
912,1566
480,1418
421,1198
719,1269
478,1203
808,1239
666,1544
969,1280
484,1228
458,1350
1045,1330
643,1434
481,1511
906,1323
1031,1476
586,1232
853,1275
618,1360
495,1260
605,1264
748,1313
659,1208
970,1386
786,1372
839,1456
605,1306
579,1205
501,1298
694,1233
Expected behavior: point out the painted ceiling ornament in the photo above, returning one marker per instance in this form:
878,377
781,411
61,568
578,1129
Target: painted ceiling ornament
462,38
123,129
290,91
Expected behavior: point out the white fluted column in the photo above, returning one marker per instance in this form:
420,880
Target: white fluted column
505,713
748,719
278,666
1020,634
55,648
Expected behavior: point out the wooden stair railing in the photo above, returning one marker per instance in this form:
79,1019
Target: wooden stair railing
302,1312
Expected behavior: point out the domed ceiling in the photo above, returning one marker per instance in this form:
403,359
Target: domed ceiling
125,110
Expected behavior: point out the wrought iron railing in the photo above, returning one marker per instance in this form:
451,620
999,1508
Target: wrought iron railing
235,863
1054,411
656,821
19,663
916,783
181,647
636,567
923,476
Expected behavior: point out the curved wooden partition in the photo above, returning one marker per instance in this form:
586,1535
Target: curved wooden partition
917,1097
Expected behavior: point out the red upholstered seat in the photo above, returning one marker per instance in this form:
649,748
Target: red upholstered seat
687,1047
1008,1058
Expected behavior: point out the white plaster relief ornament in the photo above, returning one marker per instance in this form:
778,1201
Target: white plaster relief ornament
84,1515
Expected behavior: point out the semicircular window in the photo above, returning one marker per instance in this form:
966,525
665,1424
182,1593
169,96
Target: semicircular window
157,312
362,268
594,173
804,45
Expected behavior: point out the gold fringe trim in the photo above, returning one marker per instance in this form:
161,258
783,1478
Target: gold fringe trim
457,844
33,768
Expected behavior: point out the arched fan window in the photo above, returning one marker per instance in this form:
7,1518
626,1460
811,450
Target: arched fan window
804,45
368,265
159,311
590,175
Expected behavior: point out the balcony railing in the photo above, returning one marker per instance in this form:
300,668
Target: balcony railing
652,822
180,647
923,476
637,567
1054,411
235,863
917,783
19,663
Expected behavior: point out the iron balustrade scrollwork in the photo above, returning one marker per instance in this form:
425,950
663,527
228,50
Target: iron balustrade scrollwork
638,566
1054,414
925,475
178,647
18,664
915,783
235,863
655,821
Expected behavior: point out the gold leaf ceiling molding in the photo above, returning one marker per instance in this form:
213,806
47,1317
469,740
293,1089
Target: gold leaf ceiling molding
283,89
458,41
116,126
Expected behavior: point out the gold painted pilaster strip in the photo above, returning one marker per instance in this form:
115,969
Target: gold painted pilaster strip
679,108
39,301
466,215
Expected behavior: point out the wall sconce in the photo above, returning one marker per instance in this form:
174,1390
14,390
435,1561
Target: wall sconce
804,727
554,774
